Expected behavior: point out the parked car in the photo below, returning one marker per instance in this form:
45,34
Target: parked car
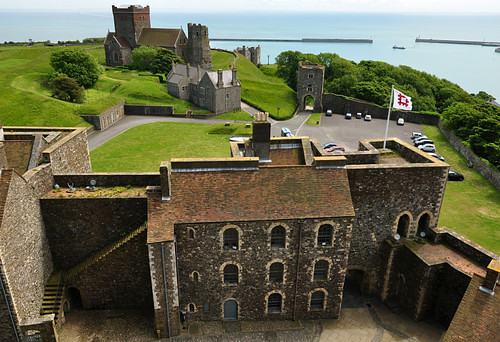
401,122
435,155
329,112
420,138
416,135
358,116
285,132
348,116
328,145
427,148
368,117
455,176
335,149
423,142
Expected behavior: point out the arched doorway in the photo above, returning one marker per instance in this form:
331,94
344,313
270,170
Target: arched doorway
308,103
230,309
423,223
353,289
404,225
75,299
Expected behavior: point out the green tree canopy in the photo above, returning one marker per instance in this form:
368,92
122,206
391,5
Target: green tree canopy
64,88
154,59
77,64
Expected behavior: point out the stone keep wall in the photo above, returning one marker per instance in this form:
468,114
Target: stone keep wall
119,280
24,249
205,255
78,227
107,118
70,154
380,195
198,48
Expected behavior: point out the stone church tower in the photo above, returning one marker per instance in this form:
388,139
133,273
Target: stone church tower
129,22
198,49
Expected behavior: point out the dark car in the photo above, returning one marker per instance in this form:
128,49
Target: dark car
328,145
358,116
455,176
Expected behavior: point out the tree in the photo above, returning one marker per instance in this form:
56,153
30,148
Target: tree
77,64
64,88
142,58
164,58
288,62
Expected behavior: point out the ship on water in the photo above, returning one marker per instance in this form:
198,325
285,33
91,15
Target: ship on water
497,49
399,47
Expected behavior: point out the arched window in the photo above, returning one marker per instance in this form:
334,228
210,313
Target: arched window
231,239
274,303
321,270
196,277
325,235
423,223
317,301
231,274
403,225
278,237
191,233
191,308
276,272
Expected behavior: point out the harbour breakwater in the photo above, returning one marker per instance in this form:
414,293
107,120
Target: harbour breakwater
463,42
303,40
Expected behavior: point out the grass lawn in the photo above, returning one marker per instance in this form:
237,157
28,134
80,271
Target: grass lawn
239,115
221,60
314,119
142,148
25,103
472,207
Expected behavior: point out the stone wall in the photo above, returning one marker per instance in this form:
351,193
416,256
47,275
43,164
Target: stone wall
70,154
9,323
3,156
24,249
79,227
310,83
341,105
109,179
380,197
206,255
106,118
479,165
149,110
119,280
41,179
18,153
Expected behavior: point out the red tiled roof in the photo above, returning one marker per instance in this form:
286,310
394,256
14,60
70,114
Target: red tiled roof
477,317
271,193
120,40
158,37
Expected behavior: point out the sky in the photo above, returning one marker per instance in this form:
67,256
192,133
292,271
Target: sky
410,6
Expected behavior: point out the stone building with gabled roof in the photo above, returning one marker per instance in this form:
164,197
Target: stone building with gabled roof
171,39
218,91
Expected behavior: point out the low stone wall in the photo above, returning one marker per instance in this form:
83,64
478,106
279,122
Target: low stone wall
480,166
149,110
107,118
70,154
340,104
109,179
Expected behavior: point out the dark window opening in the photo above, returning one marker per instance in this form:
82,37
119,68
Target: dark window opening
231,239
325,235
321,270
276,272
191,308
403,225
274,303
191,233
317,301
231,274
278,237
195,276
423,224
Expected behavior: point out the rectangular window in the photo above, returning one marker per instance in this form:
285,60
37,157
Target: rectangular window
311,75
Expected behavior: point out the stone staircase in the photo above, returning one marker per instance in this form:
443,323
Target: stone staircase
53,295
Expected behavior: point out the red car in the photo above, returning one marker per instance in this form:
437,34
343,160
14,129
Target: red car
335,149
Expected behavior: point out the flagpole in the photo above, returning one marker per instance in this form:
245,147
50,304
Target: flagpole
388,116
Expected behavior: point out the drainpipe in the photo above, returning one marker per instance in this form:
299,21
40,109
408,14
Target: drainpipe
8,309
177,273
165,286
301,223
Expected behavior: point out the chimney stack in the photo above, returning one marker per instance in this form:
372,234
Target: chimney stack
220,81
188,71
261,139
198,76
234,80
492,276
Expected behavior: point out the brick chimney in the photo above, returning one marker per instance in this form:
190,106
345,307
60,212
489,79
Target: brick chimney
492,276
261,140
234,79
165,170
220,81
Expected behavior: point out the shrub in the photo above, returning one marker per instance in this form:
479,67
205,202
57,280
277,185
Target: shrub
64,88
77,64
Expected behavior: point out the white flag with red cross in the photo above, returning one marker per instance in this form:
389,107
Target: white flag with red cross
401,101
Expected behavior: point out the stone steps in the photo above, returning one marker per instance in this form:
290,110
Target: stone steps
53,295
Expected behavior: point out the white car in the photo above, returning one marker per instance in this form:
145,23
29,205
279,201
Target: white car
427,148
416,135
368,117
401,122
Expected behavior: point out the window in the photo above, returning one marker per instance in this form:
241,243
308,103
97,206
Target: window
325,235
423,224
202,91
321,270
309,89
274,303
403,225
191,308
196,276
231,274
227,96
191,233
317,301
184,88
278,237
276,272
311,76
231,239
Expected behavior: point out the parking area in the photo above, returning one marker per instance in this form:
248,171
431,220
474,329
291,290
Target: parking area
344,132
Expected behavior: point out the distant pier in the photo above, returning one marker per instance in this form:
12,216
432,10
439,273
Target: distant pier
463,42
303,40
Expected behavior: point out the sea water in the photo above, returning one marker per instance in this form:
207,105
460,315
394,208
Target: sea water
474,68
